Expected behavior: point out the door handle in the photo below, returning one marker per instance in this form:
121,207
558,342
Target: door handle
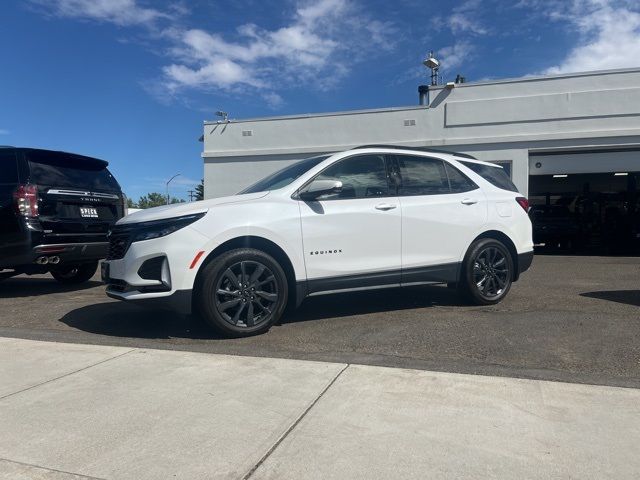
385,206
469,201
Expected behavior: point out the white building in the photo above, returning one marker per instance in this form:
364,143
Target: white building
584,128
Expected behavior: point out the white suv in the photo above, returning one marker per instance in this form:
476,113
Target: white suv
371,217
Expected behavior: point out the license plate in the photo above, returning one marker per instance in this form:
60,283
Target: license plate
88,212
104,272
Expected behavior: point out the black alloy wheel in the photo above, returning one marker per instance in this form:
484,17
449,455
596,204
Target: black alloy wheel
242,292
246,294
487,272
491,272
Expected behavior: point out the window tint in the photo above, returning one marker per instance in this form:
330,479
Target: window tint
8,168
422,176
494,175
458,181
70,171
506,165
362,176
284,177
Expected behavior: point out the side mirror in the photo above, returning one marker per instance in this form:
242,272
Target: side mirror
317,188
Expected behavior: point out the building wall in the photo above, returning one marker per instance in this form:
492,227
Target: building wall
496,121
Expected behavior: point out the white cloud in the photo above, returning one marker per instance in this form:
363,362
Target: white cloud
318,46
464,19
609,31
119,12
273,99
454,56
465,24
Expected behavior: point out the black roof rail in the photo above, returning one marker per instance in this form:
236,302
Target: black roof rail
7,146
419,149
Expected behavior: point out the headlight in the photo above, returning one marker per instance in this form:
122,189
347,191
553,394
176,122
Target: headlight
160,228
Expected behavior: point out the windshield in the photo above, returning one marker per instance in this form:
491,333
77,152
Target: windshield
284,177
494,175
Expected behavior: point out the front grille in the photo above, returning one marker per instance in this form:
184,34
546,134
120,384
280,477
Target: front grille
118,245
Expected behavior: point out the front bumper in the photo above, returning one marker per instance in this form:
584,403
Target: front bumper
157,272
179,301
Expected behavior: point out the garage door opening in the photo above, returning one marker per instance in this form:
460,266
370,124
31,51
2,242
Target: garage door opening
586,212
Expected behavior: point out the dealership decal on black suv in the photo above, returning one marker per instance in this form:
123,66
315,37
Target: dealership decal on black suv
55,211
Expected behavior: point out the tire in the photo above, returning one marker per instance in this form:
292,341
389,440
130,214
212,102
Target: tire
75,274
487,272
257,292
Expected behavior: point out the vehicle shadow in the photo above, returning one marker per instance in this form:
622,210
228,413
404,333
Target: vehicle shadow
629,297
18,287
118,319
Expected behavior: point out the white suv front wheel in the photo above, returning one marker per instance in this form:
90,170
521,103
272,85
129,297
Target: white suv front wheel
243,292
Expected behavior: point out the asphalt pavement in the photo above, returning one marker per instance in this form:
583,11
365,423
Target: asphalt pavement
573,319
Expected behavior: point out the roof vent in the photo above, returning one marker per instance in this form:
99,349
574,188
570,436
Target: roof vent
247,133
410,123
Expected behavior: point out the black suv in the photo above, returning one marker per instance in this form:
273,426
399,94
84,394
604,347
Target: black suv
55,211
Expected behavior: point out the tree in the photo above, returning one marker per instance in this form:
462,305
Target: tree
200,190
155,199
131,203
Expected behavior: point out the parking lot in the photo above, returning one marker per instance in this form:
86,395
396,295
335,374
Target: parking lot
574,319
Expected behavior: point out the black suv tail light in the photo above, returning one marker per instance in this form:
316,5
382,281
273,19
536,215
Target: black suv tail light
26,198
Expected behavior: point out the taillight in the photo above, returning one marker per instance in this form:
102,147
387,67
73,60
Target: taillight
523,202
26,198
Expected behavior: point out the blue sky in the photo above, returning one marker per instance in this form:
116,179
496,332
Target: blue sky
131,81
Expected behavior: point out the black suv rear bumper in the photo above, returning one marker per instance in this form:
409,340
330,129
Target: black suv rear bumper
73,252
68,253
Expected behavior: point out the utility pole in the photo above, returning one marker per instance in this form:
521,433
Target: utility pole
192,193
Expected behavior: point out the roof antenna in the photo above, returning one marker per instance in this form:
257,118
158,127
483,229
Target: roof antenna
432,63
223,115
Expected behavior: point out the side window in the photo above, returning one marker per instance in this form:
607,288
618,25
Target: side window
422,176
362,177
458,181
507,166
8,168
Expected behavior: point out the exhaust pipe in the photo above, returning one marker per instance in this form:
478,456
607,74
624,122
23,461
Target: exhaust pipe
42,260
54,260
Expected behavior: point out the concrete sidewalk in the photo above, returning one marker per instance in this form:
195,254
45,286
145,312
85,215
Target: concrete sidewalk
83,411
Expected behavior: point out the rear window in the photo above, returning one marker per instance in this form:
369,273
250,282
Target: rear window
70,171
8,168
494,175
